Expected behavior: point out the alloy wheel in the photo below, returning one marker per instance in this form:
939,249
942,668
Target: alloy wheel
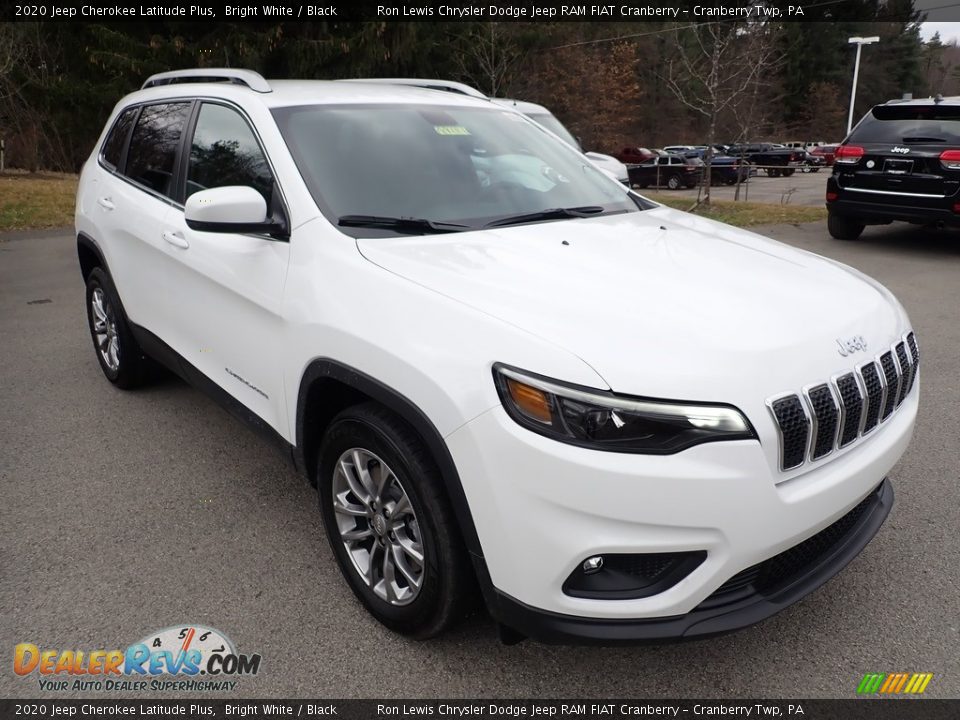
378,526
105,329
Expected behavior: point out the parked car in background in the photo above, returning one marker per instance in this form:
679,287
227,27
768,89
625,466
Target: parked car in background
811,163
667,170
827,152
776,161
542,116
805,145
728,170
724,169
687,150
901,162
633,155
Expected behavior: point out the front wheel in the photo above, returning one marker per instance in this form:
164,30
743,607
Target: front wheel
390,524
674,182
842,227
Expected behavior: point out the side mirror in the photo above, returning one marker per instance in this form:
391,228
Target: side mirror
233,209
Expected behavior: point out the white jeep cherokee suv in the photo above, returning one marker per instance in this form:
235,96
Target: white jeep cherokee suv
508,376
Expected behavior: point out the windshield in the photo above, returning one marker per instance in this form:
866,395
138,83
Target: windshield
459,168
896,124
556,127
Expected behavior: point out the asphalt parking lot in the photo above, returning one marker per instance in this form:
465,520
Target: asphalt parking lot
122,513
798,189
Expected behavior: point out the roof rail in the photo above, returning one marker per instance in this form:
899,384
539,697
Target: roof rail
429,84
247,78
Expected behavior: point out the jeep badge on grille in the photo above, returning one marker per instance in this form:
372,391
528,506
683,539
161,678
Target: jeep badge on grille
851,345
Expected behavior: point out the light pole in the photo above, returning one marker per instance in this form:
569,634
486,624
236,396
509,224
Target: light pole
859,42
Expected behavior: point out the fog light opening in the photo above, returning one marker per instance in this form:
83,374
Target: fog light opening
593,565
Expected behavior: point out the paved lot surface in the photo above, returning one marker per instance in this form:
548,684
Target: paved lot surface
798,189
121,513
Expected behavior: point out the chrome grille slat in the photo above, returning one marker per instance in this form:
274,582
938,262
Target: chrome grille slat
873,386
825,416
832,415
794,426
914,358
851,405
892,381
900,354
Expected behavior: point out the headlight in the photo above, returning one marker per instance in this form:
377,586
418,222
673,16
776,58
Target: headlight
605,421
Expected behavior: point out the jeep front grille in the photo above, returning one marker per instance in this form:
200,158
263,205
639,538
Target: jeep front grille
831,415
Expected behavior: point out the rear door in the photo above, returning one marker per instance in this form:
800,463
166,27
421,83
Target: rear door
132,204
899,150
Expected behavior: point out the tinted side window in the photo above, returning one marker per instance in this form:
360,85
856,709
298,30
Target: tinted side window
153,147
113,147
226,152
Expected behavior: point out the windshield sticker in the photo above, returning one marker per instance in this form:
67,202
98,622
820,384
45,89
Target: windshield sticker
450,130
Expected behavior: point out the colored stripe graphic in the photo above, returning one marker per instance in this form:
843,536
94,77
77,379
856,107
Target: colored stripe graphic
894,683
870,683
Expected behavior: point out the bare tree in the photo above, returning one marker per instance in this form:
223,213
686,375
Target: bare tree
19,65
716,67
486,55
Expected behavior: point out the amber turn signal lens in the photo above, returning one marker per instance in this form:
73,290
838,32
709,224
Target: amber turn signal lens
532,402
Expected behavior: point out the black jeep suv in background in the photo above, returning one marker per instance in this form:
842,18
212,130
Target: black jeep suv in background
901,162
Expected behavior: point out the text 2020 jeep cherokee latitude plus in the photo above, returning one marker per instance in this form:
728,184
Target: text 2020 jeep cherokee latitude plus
509,376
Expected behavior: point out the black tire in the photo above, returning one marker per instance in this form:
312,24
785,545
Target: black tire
674,182
843,228
130,365
447,582
787,172
815,169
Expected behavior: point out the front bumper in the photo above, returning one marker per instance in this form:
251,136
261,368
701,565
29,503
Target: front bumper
542,507
738,604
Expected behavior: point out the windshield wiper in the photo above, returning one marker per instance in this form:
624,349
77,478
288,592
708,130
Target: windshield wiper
401,224
921,139
551,214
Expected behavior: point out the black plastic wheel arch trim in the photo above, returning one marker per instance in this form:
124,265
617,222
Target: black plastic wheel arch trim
85,241
554,628
323,368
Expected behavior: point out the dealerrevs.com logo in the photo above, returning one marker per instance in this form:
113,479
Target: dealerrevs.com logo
188,657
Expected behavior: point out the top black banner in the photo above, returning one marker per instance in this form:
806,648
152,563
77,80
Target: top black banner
459,11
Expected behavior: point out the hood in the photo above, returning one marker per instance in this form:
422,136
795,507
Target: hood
660,303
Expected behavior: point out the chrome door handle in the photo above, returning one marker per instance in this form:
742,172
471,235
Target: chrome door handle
106,203
175,238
